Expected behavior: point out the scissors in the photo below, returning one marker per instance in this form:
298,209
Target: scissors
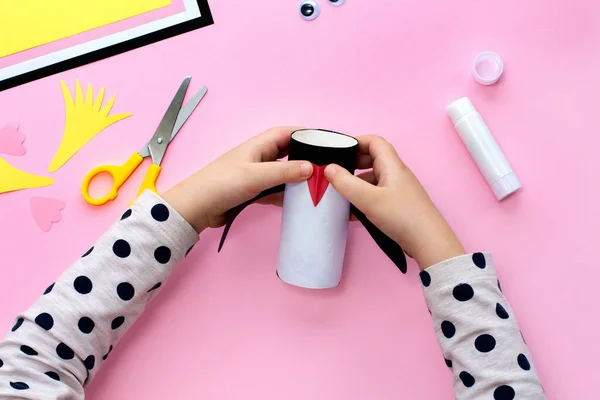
169,126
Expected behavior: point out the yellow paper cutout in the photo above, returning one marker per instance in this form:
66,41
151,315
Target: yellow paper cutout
84,120
25,24
12,178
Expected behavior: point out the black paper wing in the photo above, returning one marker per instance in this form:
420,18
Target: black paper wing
385,243
234,212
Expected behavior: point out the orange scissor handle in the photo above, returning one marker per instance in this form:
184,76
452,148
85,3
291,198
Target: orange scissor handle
119,173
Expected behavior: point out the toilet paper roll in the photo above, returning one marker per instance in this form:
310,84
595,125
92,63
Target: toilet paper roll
315,216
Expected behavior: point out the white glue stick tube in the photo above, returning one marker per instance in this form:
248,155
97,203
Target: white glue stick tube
480,142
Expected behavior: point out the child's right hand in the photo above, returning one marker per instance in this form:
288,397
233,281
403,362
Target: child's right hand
395,201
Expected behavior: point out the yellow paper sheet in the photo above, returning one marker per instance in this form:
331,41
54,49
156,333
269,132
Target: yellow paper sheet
12,179
25,24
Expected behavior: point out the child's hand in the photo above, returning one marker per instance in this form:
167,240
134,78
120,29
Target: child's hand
394,200
237,176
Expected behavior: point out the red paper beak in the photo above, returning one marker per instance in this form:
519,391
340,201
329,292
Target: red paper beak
317,184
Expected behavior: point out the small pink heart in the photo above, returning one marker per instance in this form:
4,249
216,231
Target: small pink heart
46,211
11,140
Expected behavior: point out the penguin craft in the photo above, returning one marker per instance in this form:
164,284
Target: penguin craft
315,216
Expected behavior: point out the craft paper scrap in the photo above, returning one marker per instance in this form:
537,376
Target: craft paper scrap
12,178
25,24
11,140
84,119
46,211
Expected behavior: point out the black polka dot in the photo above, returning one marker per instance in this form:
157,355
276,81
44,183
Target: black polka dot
86,325
106,355
89,362
82,284
485,343
87,253
28,350
162,254
448,329
479,260
1,363
160,212
467,379
126,214
499,287
64,351
504,392
523,362
155,287
17,324
463,292
19,385
522,337
501,311
425,278
448,362
53,375
117,322
121,248
188,250
45,320
125,291
49,289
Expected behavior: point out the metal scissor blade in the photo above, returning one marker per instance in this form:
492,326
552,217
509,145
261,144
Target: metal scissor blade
184,114
188,109
159,142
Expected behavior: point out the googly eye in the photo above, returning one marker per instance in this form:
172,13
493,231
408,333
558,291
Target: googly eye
309,10
336,3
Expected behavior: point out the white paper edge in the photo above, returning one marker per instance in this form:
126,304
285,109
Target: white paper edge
191,11
324,138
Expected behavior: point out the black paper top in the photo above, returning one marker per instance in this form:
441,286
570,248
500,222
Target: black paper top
322,147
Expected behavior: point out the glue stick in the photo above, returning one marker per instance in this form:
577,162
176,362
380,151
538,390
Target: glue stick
480,142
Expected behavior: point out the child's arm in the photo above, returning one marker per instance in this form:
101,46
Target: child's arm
478,331
475,326
56,347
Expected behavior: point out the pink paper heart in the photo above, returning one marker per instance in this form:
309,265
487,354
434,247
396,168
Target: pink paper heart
46,211
11,140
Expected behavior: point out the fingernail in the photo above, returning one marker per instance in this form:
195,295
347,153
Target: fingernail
330,171
305,169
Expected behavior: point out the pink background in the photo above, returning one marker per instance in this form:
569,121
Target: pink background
225,327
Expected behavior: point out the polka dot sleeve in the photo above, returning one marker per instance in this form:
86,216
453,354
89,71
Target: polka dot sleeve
56,347
478,332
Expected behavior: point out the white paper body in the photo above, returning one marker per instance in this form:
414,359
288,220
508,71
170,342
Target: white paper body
313,239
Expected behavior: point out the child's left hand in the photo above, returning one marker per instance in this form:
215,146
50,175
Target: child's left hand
235,177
